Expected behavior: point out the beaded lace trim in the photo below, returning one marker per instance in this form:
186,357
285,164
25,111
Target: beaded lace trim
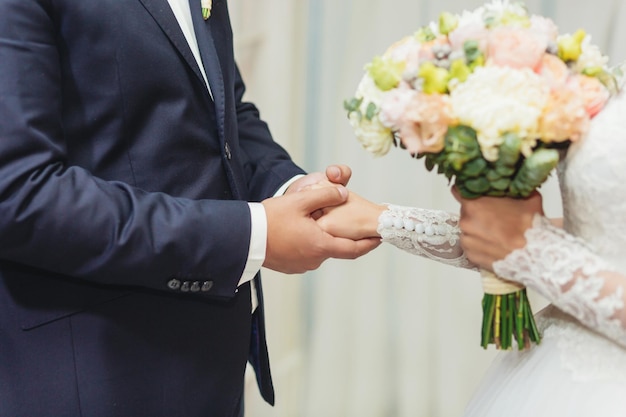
433,234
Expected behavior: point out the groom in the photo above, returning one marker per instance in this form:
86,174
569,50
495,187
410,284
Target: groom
136,209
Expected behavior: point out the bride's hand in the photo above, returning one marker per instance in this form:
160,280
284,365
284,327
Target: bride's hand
356,219
492,227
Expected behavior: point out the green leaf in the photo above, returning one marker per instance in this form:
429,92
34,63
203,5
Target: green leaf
500,184
352,104
493,175
371,111
504,171
534,171
473,54
461,146
477,185
510,150
430,164
474,168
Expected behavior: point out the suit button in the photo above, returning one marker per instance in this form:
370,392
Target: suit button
173,284
206,286
195,287
227,151
186,286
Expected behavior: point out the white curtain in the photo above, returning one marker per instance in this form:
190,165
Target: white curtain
389,334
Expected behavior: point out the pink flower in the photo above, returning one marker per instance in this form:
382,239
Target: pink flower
425,123
515,47
544,27
393,105
473,31
553,70
594,93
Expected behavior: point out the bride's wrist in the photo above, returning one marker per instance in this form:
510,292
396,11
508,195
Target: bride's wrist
373,219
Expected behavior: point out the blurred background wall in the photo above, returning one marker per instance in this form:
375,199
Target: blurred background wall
390,334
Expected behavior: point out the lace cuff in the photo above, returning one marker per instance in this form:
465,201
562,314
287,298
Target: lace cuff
433,234
565,270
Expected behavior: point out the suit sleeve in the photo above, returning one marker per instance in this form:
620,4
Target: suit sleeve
60,218
267,165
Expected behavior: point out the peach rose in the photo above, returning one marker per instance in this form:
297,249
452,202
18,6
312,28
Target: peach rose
425,123
594,93
553,70
564,117
515,47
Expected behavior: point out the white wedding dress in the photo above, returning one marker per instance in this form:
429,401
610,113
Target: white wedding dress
579,369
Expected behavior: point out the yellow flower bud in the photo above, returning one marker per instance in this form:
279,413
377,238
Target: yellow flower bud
435,78
447,23
570,46
386,73
459,70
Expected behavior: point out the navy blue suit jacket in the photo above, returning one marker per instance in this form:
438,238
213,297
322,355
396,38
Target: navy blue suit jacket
124,227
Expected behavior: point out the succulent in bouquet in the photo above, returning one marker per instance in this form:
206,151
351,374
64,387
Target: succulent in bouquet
489,98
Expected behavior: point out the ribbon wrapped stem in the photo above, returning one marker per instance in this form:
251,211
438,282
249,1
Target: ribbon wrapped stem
507,314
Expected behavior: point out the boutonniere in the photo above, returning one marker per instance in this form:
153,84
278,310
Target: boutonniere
206,8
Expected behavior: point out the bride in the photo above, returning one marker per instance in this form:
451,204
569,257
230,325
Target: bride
578,263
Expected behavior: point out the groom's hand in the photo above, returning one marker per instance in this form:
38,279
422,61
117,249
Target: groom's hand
295,242
335,174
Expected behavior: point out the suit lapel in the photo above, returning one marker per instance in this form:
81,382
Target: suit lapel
163,15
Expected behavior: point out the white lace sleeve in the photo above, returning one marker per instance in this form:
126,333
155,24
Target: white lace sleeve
433,234
568,273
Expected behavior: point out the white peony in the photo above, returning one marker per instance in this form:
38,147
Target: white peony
496,100
497,9
590,57
472,18
373,136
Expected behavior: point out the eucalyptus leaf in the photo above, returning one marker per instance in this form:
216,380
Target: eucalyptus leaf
475,167
477,185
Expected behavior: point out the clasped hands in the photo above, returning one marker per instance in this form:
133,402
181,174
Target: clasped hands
296,240
318,218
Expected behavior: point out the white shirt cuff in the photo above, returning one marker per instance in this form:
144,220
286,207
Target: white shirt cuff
258,241
258,235
286,185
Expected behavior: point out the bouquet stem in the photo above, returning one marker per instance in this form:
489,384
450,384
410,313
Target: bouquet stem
506,314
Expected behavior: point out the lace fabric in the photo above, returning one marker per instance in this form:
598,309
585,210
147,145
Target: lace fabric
433,234
568,273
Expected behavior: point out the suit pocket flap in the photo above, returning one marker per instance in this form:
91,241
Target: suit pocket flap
43,299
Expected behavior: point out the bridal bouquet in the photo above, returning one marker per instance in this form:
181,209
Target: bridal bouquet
488,98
